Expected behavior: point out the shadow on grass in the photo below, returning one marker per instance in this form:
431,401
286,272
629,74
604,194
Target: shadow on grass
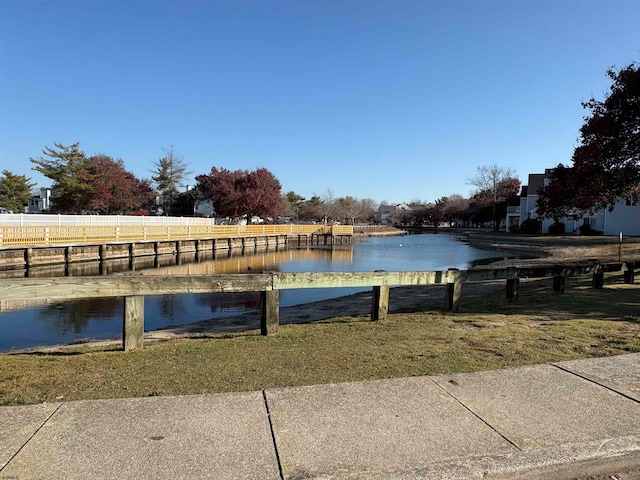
615,302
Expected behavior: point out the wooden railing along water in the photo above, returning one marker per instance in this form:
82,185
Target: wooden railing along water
133,288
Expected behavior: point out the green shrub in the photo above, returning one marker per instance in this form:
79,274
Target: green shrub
557,228
588,231
531,225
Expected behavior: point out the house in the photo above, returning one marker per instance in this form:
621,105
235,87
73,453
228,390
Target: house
513,217
41,202
384,211
624,217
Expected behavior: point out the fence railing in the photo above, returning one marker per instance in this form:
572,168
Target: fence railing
59,220
133,288
11,236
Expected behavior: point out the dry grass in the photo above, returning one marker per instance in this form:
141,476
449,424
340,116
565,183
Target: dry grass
488,334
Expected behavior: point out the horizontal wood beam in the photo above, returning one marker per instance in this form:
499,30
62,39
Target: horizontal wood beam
68,288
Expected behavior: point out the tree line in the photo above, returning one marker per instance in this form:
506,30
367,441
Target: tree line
605,167
101,184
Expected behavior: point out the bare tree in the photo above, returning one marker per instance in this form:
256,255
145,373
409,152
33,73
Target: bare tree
328,205
490,180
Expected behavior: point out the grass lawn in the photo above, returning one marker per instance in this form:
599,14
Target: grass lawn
488,333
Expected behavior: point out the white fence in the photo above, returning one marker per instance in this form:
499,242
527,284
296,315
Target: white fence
43,220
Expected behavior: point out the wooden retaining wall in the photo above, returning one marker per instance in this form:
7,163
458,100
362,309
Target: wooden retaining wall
134,287
28,257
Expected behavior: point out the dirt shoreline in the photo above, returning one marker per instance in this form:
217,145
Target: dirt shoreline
401,298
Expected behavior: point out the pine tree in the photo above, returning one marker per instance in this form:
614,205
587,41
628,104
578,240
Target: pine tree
169,173
68,168
15,191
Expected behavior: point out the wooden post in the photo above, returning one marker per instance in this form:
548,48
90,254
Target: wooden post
454,293
629,273
453,290
133,323
598,278
269,312
380,303
513,286
558,284
68,251
28,257
131,255
102,252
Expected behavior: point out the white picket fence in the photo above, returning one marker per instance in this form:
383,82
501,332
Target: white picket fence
44,220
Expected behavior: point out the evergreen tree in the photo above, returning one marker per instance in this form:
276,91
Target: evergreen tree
15,191
68,168
169,172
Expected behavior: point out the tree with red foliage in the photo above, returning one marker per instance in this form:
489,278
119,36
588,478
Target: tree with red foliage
497,187
115,190
240,192
606,163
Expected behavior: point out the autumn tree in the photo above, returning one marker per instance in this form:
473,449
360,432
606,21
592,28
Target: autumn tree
454,207
606,162
168,174
483,208
495,184
241,192
114,189
15,191
67,167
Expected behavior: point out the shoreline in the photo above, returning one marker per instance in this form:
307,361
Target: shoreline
402,298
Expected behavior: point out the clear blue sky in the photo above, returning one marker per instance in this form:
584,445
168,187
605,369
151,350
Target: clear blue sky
392,100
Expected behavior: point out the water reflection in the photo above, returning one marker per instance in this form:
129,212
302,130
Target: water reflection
102,318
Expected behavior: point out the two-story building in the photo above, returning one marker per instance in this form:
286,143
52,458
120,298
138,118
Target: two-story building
41,202
624,217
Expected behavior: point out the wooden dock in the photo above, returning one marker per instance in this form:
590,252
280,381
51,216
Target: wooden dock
26,247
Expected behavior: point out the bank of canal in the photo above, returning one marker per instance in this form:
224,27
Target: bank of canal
102,318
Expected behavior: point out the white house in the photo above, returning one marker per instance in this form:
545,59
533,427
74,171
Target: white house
625,216
40,202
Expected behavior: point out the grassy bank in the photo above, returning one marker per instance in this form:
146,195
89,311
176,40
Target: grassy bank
487,334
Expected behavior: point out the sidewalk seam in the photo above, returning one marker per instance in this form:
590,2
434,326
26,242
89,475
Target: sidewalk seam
273,435
31,437
590,380
476,415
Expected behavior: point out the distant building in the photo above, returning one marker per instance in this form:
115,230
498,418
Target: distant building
625,216
41,202
384,211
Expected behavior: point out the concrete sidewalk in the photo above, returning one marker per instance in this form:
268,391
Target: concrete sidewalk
546,421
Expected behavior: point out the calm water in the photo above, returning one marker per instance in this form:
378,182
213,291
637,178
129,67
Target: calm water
102,318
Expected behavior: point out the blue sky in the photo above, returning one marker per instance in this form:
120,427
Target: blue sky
391,100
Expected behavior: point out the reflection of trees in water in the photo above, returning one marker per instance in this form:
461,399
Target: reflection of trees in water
225,301
75,316
173,307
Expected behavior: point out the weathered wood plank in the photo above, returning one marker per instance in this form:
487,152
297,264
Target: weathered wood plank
269,312
453,296
133,323
283,281
513,289
380,303
68,288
